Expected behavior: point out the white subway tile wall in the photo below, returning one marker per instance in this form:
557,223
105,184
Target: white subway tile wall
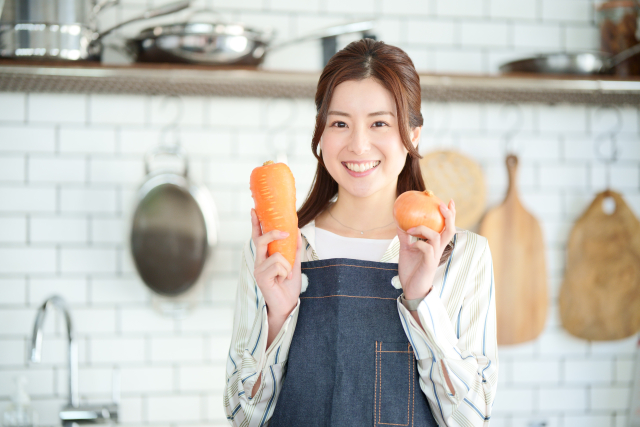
70,166
65,232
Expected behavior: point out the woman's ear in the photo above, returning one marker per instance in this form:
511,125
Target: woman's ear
415,136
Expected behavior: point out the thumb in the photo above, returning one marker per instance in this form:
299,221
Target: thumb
404,238
297,263
299,252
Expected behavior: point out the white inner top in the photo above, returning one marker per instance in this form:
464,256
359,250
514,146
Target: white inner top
331,245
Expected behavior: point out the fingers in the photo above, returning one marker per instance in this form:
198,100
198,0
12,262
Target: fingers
427,249
277,271
256,231
275,266
449,214
425,232
403,237
299,251
262,244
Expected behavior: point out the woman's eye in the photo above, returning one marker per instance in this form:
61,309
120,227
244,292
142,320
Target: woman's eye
339,124
379,124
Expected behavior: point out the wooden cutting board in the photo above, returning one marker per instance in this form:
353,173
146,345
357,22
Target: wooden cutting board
519,268
452,175
600,294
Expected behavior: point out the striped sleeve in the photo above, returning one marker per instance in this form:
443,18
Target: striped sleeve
469,351
248,356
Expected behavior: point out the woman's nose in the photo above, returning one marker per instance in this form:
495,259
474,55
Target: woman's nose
359,143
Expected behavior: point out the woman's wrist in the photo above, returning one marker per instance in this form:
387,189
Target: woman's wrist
411,304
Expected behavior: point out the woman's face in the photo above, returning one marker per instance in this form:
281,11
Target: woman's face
361,132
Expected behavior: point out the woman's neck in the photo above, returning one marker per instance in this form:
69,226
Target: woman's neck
366,217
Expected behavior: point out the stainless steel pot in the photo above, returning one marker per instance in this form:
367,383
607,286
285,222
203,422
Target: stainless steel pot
583,63
60,29
220,43
174,228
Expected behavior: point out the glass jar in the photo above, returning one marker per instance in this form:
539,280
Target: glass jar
618,22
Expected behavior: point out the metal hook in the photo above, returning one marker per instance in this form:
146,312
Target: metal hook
281,156
515,128
610,137
172,126
617,127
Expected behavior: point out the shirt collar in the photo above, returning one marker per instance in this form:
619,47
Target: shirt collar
309,233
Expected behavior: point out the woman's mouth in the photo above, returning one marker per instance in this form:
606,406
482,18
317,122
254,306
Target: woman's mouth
361,169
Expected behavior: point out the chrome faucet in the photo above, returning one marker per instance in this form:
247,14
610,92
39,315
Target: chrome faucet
73,412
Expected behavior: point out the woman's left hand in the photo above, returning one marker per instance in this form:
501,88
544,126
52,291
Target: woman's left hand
418,261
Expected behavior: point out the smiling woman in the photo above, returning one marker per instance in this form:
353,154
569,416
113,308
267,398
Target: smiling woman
383,331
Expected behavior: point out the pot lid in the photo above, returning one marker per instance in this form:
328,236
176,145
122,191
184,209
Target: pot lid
169,239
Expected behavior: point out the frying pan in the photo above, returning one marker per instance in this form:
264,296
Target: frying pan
583,63
217,42
173,229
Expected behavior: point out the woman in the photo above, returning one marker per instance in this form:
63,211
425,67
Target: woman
371,326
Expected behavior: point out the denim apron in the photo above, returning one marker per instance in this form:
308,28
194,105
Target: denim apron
350,362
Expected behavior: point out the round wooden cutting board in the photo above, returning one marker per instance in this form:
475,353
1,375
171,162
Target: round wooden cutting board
600,294
517,248
451,175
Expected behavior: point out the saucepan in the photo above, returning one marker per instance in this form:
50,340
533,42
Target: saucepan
584,63
60,29
219,42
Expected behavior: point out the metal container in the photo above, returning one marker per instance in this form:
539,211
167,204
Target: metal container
59,29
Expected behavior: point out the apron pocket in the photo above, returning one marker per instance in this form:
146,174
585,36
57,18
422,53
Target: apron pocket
394,384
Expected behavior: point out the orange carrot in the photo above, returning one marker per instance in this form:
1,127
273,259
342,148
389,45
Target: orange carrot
274,192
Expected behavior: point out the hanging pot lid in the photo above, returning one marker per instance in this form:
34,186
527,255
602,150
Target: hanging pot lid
173,230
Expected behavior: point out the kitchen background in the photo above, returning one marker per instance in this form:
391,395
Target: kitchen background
70,166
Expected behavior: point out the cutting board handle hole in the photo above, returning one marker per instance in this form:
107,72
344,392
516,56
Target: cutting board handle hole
608,205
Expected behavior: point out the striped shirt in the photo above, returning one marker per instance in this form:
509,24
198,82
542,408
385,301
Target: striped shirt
458,321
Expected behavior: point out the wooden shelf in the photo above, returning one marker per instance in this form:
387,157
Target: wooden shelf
190,80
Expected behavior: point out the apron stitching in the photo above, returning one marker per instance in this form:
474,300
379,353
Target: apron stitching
350,265
347,296
380,406
375,388
413,390
409,394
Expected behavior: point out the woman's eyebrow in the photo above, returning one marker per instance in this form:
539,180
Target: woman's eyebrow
376,113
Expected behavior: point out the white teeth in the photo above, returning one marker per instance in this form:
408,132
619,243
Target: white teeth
361,167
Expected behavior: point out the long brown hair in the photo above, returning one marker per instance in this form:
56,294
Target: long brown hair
393,69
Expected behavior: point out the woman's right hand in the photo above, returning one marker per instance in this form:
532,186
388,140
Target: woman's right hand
279,282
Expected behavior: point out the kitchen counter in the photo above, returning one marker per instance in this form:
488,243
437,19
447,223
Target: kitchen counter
199,80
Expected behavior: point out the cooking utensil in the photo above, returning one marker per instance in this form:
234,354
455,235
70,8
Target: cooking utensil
584,63
520,275
452,175
60,29
218,42
174,228
600,294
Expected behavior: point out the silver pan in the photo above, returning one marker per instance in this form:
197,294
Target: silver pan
174,228
583,63
217,42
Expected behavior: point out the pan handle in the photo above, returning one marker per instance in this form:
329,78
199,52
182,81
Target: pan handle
621,57
173,150
336,30
153,13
